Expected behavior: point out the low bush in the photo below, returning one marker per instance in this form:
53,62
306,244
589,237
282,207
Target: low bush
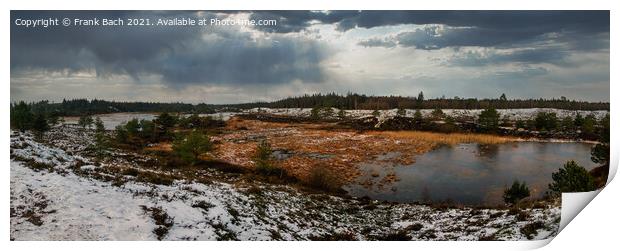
322,178
516,193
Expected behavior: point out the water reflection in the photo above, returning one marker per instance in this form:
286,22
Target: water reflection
472,173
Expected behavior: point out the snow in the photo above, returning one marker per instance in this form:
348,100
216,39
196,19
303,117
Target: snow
384,114
75,205
83,209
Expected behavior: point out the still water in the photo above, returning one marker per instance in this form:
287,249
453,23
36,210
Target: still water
470,174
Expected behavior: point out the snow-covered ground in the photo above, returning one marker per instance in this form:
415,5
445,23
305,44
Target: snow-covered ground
511,113
56,195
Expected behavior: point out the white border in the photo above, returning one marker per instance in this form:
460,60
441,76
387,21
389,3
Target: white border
599,224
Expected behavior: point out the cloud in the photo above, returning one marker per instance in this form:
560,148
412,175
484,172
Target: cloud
471,58
377,42
180,55
464,53
527,23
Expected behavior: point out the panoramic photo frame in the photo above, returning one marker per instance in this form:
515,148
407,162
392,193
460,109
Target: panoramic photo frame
273,125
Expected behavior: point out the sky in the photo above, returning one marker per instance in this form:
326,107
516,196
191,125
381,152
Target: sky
480,54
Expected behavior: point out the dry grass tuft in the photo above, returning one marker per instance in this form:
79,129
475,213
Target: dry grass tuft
449,138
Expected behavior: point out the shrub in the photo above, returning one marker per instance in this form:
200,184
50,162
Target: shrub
437,114
531,229
342,114
546,121
322,178
489,120
121,134
163,221
264,160
192,146
85,121
572,178
163,125
600,154
315,113
319,112
516,193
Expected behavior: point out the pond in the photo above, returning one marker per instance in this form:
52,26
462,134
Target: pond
469,174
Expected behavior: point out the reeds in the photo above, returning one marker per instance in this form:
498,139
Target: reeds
449,138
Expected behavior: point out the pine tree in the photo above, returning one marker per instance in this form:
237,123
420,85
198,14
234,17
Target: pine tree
40,126
516,193
489,120
85,121
100,139
572,178
21,117
192,146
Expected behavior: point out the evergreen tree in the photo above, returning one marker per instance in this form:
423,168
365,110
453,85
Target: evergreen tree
21,117
420,97
601,151
192,146
121,134
164,123
417,117
438,114
516,193
100,139
546,121
503,97
572,178
489,120
85,121
40,126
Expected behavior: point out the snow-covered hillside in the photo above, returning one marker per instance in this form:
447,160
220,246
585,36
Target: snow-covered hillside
510,113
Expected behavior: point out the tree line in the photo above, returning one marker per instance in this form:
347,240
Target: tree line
350,101
79,107
354,101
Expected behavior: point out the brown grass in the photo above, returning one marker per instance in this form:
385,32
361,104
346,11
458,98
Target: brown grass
448,138
344,148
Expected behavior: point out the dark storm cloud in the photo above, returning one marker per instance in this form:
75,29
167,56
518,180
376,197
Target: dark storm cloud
556,56
438,37
178,54
526,23
569,31
297,20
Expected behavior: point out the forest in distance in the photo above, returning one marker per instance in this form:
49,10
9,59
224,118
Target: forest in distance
350,101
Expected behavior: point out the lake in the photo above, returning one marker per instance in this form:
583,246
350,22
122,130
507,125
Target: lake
469,174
